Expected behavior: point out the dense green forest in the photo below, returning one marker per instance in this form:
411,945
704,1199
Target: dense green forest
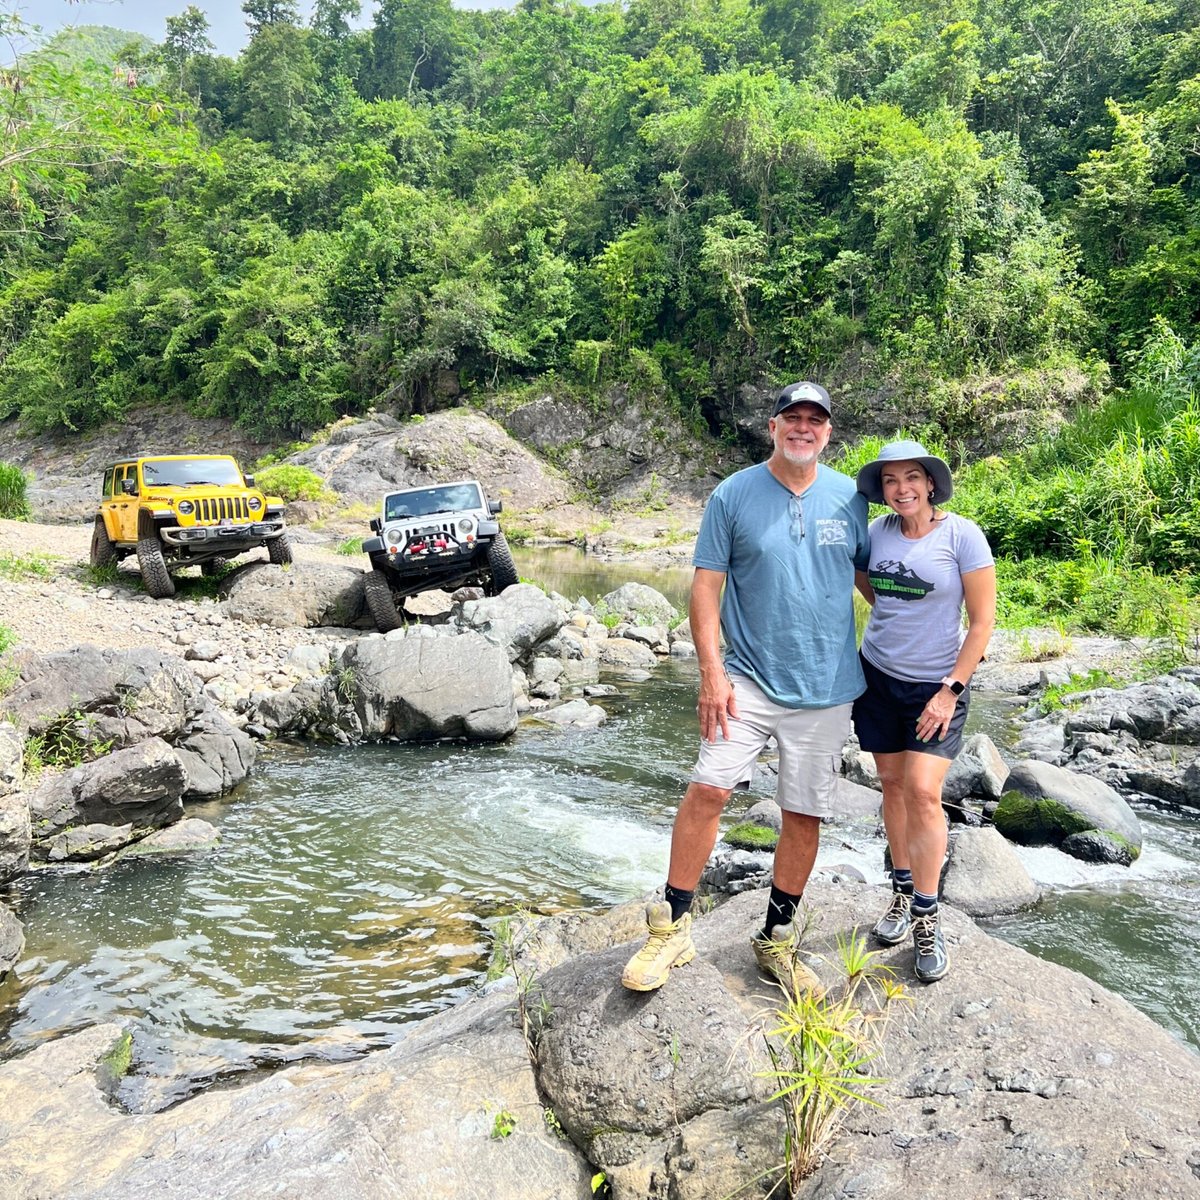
680,196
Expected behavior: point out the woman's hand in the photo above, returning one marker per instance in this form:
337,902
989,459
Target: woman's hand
934,722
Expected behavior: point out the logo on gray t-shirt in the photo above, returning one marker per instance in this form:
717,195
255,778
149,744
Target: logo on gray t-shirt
892,578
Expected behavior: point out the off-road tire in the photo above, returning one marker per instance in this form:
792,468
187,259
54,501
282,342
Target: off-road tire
280,550
104,553
153,566
212,567
380,601
501,567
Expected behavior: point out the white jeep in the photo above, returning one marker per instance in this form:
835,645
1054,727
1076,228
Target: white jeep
441,536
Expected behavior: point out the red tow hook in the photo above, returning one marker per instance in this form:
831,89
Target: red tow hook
440,544
417,548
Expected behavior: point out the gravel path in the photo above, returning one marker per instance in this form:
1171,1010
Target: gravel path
48,603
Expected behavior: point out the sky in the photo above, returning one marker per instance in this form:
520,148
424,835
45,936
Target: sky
227,22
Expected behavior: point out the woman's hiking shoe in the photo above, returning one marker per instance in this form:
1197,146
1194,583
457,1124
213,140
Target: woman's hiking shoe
930,962
779,959
669,945
892,928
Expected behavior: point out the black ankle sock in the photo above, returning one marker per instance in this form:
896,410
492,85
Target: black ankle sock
679,900
923,905
781,908
902,880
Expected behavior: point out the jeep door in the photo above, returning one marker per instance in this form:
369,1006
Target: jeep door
125,506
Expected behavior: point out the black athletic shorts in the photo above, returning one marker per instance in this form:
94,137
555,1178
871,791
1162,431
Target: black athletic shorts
885,715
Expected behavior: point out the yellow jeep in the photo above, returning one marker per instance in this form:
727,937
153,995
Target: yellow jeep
179,510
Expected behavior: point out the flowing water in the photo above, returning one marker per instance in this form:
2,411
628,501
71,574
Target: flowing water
354,890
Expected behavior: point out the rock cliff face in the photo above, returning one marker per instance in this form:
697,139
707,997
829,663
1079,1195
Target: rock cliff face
1011,1077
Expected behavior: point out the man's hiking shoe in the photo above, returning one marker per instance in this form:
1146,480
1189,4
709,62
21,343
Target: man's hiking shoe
779,959
930,962
892,928
669,945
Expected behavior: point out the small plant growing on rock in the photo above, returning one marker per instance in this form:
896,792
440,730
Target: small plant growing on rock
504,1124
13,503
748,836
821,1045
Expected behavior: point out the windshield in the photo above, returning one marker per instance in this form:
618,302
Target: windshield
183,472
427,501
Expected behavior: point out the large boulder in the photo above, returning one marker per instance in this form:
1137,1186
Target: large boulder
363,460
1005,1079
133,790
302,595
105,697
424,1120
983,875
517,621
422,687
1045,804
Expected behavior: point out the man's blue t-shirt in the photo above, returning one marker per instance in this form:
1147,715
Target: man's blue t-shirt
788,610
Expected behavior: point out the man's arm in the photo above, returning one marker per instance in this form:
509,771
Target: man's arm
716,703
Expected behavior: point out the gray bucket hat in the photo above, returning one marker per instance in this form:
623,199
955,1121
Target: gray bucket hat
869,476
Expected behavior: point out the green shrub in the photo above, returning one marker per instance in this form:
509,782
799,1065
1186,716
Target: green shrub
291,483
7,637
350,546
13,502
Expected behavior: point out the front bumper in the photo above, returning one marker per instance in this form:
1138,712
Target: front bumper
211,535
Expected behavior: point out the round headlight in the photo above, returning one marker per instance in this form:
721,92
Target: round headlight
186,507
395,535
254,503
466,526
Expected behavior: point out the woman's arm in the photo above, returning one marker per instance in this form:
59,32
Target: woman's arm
979,594
865,590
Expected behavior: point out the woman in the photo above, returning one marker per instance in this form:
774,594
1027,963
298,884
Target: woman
925,565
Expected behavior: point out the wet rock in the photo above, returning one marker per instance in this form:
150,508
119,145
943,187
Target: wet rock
12,940
83,843
578,714
189,836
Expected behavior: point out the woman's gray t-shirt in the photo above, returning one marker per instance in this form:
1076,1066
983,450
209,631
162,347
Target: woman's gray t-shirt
915,631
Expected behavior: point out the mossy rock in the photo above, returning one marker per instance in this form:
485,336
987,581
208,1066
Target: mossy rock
1034,821
749,836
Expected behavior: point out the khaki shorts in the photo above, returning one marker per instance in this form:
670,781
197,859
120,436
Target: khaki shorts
810,744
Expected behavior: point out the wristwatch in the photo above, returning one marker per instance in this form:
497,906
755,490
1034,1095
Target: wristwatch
954,685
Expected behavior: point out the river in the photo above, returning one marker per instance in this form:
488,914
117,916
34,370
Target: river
354,889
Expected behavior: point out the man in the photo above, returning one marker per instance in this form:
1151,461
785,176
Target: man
783,539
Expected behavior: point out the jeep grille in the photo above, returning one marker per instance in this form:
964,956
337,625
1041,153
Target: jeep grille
221,508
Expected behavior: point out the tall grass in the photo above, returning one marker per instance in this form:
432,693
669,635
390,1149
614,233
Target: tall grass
13,484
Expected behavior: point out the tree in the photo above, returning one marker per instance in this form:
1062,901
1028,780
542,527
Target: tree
186,37
260,14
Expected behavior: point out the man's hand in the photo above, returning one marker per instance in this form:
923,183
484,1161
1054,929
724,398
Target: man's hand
716,705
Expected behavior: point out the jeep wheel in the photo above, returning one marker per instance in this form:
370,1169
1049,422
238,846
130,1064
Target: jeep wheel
212,567
104,553
501,565
380,601
154,568
280,550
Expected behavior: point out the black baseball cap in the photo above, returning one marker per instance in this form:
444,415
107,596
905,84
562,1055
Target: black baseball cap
802,393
